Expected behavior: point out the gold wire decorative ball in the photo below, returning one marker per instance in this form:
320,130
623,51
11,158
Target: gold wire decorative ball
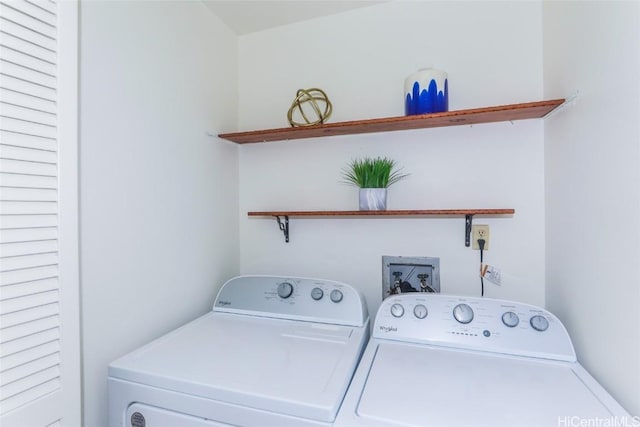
309,99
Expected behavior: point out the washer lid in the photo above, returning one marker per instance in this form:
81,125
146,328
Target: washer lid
430,386
288,367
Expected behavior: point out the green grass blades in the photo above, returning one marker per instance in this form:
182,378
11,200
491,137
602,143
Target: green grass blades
372,172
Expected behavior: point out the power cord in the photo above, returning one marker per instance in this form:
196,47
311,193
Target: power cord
481,243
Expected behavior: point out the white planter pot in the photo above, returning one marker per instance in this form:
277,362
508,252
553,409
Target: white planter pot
373,199
426,91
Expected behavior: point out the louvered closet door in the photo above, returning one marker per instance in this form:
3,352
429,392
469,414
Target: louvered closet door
33,366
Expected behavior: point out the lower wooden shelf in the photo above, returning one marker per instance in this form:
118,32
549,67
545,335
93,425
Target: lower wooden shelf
467,213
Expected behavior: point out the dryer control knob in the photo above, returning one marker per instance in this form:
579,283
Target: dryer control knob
317,294
510,319
397,310
420,311
285,289
539,323
463,313
336,295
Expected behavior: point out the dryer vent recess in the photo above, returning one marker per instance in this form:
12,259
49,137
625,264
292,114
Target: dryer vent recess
409,274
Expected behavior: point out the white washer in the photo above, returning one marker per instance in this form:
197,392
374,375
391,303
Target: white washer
274,351
437,360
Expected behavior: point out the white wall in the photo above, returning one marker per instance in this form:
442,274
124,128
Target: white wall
361,59
156,75
592,160
159,198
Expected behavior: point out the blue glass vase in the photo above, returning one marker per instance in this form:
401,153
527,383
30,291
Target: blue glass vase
426,91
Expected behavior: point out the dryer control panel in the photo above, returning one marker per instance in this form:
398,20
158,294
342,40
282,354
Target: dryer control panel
293,298
483,324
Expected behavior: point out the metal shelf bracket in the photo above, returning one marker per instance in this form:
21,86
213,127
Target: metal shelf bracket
468,220
284,227
568,101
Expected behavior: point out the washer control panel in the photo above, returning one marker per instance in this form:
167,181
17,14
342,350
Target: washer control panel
294,298
483,324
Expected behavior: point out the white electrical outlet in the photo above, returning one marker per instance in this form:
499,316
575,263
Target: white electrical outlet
493,274
479,232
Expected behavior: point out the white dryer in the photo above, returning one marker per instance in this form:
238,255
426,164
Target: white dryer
437,360
274,351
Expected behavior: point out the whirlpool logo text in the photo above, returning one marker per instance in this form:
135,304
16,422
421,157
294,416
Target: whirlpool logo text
388,329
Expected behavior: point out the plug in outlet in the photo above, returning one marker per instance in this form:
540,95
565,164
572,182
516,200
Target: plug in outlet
479,232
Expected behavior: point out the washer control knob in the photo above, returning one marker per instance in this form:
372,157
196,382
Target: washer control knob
510,319
539,323
397,310
420,311
285,289
336,295
463,313
317,294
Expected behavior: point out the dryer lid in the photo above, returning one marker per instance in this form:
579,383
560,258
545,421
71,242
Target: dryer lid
297,368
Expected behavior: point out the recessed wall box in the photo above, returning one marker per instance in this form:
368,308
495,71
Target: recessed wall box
409,274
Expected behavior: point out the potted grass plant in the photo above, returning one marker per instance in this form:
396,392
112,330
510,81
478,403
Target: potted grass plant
373,176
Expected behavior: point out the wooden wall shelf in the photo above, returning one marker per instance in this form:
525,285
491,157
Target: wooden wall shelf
428,212
467,213
501,113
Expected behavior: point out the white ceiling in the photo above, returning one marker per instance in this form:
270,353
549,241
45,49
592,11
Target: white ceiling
249,16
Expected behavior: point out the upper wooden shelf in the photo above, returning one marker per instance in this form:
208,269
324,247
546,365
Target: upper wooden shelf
431,212
501,113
